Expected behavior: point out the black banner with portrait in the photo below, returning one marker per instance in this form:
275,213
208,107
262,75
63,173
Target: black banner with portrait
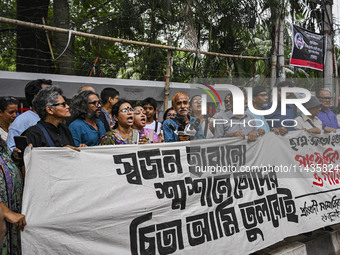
308,48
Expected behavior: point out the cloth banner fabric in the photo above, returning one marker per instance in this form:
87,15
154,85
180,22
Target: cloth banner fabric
308,48
217,196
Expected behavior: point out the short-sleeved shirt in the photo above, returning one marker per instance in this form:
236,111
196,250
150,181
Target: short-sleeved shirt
84,133
61,135
19,125
289,117
305,122
230,124
328,119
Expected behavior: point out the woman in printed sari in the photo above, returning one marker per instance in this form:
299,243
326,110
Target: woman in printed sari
11,184
122,132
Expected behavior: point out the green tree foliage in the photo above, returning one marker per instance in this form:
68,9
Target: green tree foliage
239,27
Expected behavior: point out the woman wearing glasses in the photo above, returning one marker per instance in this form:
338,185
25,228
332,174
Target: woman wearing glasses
50,130
8,113
169,114
122,132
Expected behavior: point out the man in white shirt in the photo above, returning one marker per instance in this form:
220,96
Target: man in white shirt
312,124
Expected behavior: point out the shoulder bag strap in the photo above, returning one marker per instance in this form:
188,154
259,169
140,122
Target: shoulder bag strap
46,134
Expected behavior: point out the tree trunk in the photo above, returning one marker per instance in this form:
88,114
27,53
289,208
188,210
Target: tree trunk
33,54
65,62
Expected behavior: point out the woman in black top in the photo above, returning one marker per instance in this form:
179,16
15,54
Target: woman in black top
50,131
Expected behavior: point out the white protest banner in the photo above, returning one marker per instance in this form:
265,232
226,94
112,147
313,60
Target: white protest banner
160,198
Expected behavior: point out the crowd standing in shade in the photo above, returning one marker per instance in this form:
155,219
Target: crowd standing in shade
8,113
115,121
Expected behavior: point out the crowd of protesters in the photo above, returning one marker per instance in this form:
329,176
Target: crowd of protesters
107,119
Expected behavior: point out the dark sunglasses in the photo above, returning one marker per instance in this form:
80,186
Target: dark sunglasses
63,104
169,114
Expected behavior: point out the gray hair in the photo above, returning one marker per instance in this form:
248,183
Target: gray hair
79,104
46,97
322,89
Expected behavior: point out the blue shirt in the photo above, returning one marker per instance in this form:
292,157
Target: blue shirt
328,119
259,124
290,114
169,134
82,132
19,125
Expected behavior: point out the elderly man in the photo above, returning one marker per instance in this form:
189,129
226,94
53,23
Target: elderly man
327,117
229,125
312,124
86,128
50,130
28,118
276,126
260,101
180,103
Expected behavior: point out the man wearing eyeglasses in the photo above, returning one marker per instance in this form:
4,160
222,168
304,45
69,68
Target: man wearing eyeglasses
86,128
327,117
172,127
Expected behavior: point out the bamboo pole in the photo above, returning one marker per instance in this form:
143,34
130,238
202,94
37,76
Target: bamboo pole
167,77
112,39
48,39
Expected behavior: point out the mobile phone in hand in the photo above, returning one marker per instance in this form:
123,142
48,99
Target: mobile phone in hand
21,142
